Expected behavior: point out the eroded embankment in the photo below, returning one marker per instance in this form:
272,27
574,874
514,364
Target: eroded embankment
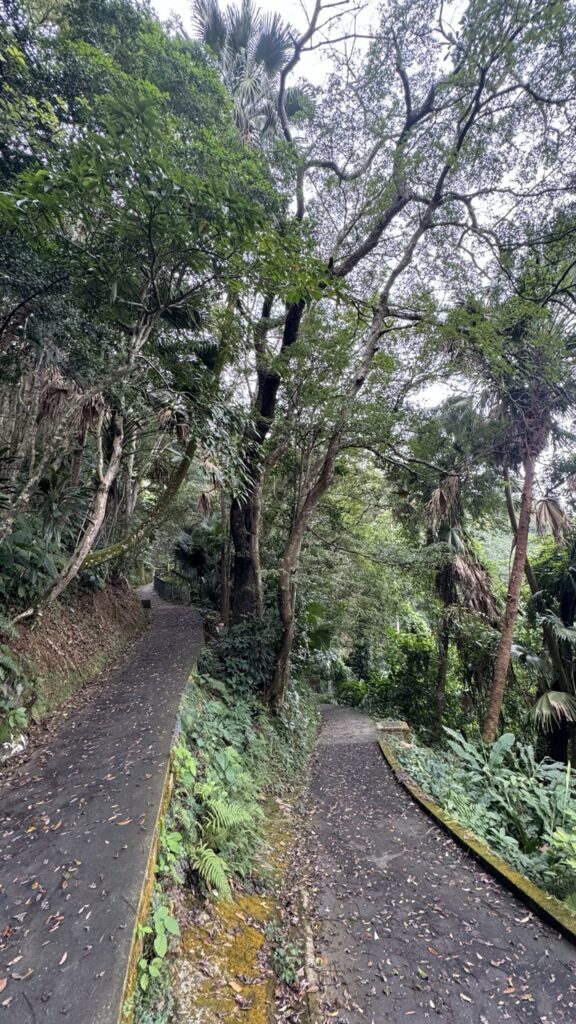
73,643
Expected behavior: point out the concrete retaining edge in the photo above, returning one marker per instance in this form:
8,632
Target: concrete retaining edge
125,1012
546,907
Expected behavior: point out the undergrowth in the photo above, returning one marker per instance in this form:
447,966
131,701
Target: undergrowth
524,809
230,755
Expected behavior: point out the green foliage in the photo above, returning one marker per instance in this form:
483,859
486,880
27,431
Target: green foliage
244,657
230,754
212,869
155,936
287,953
351,691
516,803
13,683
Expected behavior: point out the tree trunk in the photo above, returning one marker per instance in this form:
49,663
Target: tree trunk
95,515
443,652
224,561
244,514
289,566
154,517
243,598
548,635
512,605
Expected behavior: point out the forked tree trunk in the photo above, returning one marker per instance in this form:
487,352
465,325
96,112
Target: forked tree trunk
246,596
152,519
512,605
289,566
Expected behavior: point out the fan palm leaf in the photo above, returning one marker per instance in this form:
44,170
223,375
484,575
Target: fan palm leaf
553,707
551,518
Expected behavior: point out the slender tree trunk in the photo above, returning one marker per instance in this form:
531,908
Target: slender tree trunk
224,561
289,562
512,605
154,517
77,457
547,632
243,598
95,515
443,652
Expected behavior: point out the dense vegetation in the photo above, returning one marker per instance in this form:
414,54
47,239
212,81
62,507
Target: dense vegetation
311,345
230,759
524,809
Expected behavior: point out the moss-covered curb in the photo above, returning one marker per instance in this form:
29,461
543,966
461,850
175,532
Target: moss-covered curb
546,907
125,1015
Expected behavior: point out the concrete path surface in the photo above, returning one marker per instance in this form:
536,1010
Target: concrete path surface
76,827
410,927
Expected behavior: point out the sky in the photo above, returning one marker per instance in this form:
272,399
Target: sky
312,65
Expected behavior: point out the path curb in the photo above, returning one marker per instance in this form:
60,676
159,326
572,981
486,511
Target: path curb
125,1011
546,907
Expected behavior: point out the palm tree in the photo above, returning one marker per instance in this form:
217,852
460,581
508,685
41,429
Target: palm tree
521,357
462,582
251,48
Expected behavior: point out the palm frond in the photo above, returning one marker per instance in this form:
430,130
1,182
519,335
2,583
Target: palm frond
241,25
273,45
560,630
210,24
474,585
443,505
553,707
551,518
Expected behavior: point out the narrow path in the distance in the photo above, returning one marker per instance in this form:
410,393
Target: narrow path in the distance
76,827
410,927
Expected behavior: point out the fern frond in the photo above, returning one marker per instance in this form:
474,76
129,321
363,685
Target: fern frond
213,870
225,816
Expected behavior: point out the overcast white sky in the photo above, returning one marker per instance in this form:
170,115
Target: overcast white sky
292,11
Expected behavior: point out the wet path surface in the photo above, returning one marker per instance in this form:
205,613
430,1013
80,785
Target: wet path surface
410,927
76,827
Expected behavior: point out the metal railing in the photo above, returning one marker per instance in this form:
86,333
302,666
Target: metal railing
176,591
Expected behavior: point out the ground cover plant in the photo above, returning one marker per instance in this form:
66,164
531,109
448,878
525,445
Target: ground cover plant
231,755
523,808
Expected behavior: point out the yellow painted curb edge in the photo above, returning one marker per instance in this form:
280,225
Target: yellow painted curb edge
546,907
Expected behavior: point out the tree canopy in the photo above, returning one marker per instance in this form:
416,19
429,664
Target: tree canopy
320,336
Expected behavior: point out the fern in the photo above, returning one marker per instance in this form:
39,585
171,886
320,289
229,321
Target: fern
225,816
213,870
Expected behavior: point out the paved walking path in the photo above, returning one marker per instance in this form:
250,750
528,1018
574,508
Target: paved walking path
411,927
76,827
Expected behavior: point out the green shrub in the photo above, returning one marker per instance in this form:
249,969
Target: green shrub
244,657
518,805
351,691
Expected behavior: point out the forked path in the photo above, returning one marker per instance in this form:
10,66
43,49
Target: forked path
410,927
76,828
